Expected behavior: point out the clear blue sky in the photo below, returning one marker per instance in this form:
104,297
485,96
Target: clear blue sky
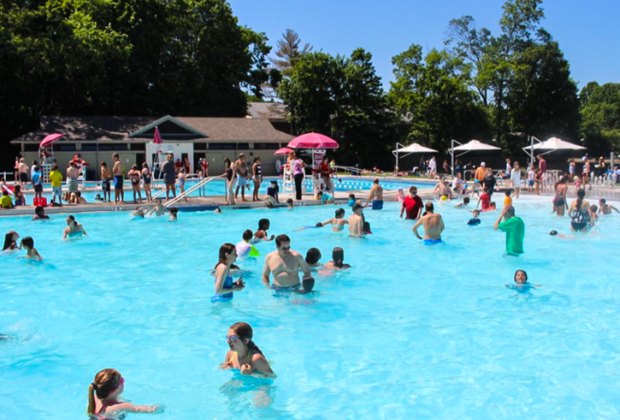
587,30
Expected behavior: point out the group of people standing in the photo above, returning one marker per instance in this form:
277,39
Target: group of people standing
240,175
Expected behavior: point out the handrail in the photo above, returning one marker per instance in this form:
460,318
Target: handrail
352,169
189,191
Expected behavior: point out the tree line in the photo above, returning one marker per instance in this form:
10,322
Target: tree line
191,57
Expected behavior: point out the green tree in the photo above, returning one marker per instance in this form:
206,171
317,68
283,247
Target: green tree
600,114
431,93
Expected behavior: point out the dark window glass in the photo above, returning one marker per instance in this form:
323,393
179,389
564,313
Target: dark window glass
200,146
88,147
112,147
29,147
137,146
266,146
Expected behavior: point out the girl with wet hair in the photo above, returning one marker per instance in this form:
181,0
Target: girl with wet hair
10,241
580,213
244,354
103,398
28,244
224,285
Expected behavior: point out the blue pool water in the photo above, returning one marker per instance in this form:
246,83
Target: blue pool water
217,187
409,331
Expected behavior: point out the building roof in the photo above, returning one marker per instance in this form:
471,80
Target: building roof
141,129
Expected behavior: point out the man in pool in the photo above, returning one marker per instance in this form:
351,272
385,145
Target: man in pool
433,226
376,195
514,228
285,264
356,221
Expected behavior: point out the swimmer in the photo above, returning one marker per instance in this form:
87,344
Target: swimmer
28,244
173,212
261,232
39,213
324,197
605,208
485,199
244,247
520,282
217,210
139,213
356,222
352,200
244,354
465,203
594,213
159,209
224,285
337,221
10,241
313,255
289,204
433,226
376,195
284,264
560,235
337,262
103,397
73,229
475,220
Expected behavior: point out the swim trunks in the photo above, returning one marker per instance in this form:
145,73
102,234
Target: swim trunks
242,180
105,185
292,288
430,241
377,204
118,182
72,185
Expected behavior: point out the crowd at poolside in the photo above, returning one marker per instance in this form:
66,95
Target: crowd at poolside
286,271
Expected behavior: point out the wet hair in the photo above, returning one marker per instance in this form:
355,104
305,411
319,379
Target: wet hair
524,273
352,196
581,194
244,332
173,210
313,255
247,234
39,210
263,224
289,201
282,238
8,239
72,218
227,162
602,201
225,249
357,206
429,206
106,381
339,212
553,232
27,242
338,256
594,208
466,200
475,211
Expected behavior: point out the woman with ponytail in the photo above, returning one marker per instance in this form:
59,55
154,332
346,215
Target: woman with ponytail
224,285
244,354
580,213
103,398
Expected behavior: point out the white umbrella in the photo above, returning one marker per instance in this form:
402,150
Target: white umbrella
555,143
470,146
412,148
550,145
473,145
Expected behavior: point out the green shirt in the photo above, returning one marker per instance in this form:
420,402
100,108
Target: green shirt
515,231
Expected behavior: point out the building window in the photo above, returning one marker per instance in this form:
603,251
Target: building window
137,146
29,147
266,146
65,147
227,146
104,147
200,146
88,147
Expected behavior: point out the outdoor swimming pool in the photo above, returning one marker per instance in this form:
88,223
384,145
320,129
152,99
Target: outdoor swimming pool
217,187
409,331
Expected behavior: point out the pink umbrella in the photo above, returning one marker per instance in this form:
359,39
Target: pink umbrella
48,140
313,141
157,137
283,151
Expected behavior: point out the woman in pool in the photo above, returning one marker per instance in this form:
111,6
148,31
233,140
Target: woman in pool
580,213
134,176
73,229
559,201
10,241
337,262
103,398
28,244
244,354
224,285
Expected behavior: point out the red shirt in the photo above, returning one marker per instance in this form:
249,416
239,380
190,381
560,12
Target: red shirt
413,206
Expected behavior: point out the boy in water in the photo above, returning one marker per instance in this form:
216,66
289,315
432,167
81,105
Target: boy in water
313,255
337,221
28,244
475,220
605,208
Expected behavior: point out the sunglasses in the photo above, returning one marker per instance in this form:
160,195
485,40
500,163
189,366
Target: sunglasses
232,338
285,248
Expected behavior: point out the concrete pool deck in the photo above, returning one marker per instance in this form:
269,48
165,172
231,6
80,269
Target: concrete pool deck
341,197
